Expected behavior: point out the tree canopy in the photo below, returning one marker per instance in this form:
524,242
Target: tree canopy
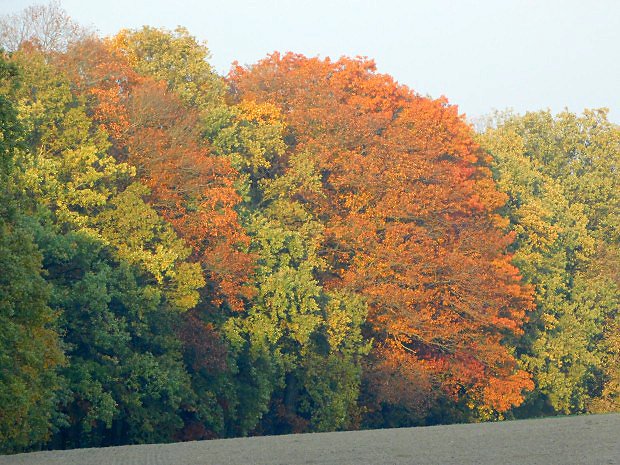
302,245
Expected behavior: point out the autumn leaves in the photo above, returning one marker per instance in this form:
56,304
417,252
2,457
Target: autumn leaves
409,208
304,246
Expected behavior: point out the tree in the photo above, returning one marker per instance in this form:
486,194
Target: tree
191,188
47,26
177,59
298,348
66,164
118,274
560,175
409,210
30,351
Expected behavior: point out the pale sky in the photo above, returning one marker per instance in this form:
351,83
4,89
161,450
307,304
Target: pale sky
481,54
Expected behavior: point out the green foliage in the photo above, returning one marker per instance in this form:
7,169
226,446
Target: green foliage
332,372
66,165
179,60
29,345
141,237
126,381
117,274
560,174
176,58
298,347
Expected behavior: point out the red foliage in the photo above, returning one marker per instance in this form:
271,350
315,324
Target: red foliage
409,208
192,188
203,346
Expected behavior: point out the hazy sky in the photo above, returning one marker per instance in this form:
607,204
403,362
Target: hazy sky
481,54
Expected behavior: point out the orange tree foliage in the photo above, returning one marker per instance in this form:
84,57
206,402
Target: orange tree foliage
409,208
191,187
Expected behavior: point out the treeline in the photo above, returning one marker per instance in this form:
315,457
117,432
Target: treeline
304,245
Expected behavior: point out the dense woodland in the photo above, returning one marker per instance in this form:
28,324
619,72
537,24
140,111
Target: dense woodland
302,245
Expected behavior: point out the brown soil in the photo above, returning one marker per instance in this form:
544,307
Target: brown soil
583,440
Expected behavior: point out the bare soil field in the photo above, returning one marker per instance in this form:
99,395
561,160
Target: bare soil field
583,440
